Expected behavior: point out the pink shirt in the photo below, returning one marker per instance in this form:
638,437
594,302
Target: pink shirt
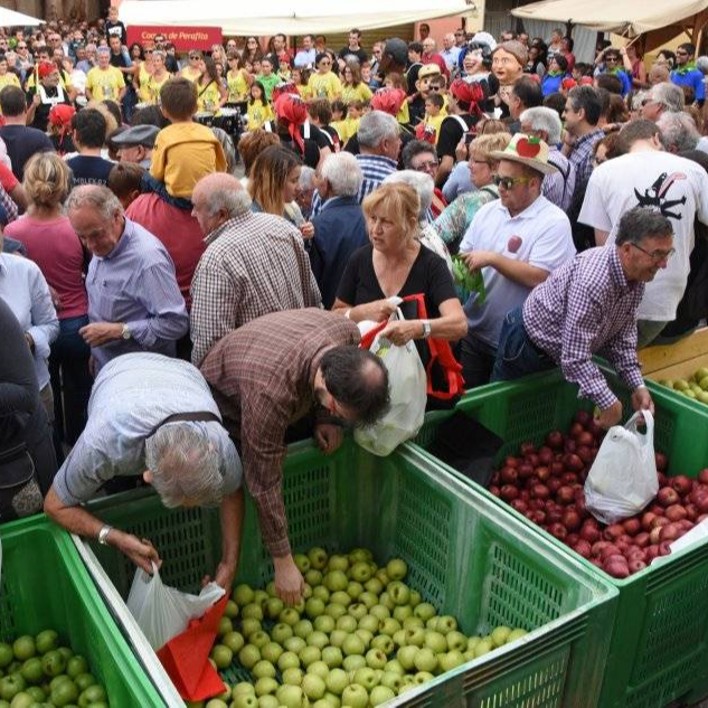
56,249
179,232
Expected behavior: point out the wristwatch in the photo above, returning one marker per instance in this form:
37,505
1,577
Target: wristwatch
103,534
426,328
125,332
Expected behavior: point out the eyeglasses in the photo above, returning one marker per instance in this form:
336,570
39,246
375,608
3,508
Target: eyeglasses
434,88
612,59
656,256
427,165
681,53
193,58
510,182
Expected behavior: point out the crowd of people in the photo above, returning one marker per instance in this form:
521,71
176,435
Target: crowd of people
169,320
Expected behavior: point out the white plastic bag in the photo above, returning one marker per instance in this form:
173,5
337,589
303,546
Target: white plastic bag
623,479
163,612
407,390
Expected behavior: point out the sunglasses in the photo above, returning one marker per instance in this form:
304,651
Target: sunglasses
193,58
510,182
656,256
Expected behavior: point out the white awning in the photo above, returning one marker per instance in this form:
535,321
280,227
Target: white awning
10,18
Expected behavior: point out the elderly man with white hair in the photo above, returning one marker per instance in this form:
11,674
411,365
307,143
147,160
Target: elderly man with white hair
545,123
662,98
678,132
424,186
340,227
254,264
155,417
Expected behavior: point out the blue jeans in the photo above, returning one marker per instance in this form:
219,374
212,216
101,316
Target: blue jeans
517,355
71,380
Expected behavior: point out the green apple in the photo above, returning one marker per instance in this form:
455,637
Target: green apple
379,611
273,607
324,623
422,677
353,645
293,676
242,595
360,571
381,694
313,686
250,626
360,554
357,610
446,623
337,680
335,580
317,639
406,656
296,644
318,668
306,595
335,610
303,628
314,607
353,662
337,637
382,575
245,700
266,685
516,634
483,647
355,696
389,626
234,641
396,569
332,656
313,577
309,655
426,660
435,641
365,635
415,637
415,600
302,562
259,639
456,641
368,598
263,669
472,642
243,687
369,623
500,635
450,660
318,558
291,696
386,600
347,624
222,656
321,593
271,652
249,656
392,679
268,701
289,616
11,685
383,643
354,589
281,632
365,677
425,611
399,637
376,658
402,612
413,623
338,562
288,660
374,586
225,626
340,597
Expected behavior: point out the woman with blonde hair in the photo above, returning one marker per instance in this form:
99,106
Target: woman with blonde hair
153,78
53,245
395,263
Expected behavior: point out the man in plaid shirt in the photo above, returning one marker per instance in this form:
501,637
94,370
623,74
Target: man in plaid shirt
273,372
589,306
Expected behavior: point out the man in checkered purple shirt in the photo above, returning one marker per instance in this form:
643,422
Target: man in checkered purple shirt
587,307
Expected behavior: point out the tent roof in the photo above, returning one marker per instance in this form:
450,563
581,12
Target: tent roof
611,15
292,17
10,18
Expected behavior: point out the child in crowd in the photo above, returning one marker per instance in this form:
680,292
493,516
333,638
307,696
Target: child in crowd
284,67
350,125
429,128
321,114
238,80
267,78
300,77
259,110
398,81
184,151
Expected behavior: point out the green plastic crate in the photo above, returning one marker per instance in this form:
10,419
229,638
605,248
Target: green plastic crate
659,649
459,555
45,586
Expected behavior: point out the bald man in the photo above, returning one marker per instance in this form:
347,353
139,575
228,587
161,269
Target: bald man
254,264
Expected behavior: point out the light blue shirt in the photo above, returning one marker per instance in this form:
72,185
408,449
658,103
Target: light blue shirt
136,284
305,57
25,290
131,396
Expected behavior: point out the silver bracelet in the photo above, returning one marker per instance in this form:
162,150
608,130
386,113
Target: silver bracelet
103,534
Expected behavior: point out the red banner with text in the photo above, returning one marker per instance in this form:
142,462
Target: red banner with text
184,38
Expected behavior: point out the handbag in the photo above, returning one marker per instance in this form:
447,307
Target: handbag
19,491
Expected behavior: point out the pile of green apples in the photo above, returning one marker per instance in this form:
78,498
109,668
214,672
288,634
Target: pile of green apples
38,673
695,387
360,637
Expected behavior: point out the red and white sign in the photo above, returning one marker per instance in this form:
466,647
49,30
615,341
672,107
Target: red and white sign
184,38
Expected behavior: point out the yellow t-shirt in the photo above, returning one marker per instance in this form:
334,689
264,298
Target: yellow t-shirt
105,85
325,86
304,91
346,128
63,80
434,122
356,93
9,79
403,116
208,98
258,113
237,85
191,74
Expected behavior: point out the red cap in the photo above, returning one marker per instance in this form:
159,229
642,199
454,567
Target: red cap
389,100
61,114
45,68
291,111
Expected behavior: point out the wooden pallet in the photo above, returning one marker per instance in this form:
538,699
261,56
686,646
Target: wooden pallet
679,360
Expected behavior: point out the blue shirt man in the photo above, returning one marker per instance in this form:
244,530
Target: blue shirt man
134,300
686,73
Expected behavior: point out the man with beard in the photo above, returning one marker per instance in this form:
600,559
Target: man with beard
45,95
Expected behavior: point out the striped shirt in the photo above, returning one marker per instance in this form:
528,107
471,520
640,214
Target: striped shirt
262,375
254,264
588,307
581,156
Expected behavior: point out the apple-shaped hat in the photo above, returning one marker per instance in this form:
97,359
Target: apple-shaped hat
528,150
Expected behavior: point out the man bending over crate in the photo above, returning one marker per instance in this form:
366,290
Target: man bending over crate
273,372
153,416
